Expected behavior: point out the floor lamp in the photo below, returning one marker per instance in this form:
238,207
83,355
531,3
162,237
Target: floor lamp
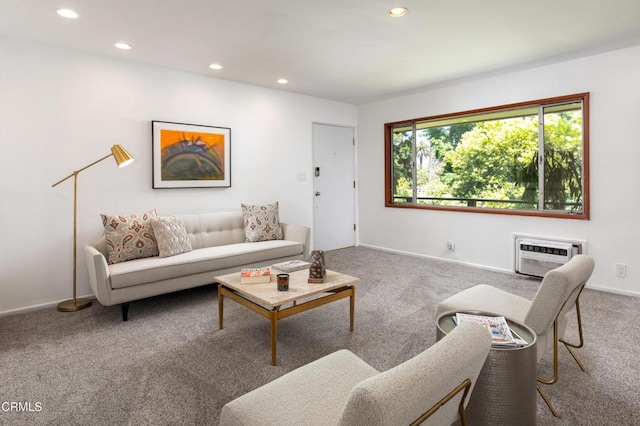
123,158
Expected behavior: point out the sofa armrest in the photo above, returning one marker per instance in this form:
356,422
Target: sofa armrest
297,233
98,273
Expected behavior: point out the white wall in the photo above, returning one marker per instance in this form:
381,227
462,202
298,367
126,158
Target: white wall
614,229
60,110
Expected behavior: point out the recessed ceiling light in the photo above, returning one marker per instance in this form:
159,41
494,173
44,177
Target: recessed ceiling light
397,12
215,66
123,46
283,81
67,13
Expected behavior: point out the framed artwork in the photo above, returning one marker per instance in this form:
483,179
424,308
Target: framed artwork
190,155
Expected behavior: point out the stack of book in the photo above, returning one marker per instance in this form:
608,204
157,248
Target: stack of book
291,265
255,275
502,336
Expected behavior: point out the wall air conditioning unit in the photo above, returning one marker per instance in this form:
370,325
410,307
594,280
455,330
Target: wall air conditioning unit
537,257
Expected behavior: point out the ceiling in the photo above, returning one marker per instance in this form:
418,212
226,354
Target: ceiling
345,50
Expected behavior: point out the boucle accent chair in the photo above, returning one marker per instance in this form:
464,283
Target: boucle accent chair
342,389
546,314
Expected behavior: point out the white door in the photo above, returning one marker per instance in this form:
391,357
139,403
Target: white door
334,187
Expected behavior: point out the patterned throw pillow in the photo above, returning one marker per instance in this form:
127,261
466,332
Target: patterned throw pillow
129,237
171,235
261,223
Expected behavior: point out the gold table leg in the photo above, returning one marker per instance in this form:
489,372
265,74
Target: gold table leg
274,335
220,305
352,307
277,314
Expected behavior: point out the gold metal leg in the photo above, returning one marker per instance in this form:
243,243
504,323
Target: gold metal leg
546,400
220,305
465,385
569,345
575,357
555,357
352,307
274,335
554,379
277,314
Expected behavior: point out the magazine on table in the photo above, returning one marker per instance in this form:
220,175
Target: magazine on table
501,333
291,265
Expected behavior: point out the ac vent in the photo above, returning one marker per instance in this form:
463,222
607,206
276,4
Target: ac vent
537,257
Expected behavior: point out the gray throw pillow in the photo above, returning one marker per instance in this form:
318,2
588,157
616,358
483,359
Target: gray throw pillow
171,235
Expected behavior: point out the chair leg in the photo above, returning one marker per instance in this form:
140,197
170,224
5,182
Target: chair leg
555,371
576,345
546,400
567,345
575,357
555,357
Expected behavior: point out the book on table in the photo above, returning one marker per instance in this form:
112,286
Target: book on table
255,275
291,265
501,334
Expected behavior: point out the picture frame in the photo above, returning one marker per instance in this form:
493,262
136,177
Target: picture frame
190,155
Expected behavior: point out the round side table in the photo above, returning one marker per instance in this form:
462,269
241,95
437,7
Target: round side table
505,392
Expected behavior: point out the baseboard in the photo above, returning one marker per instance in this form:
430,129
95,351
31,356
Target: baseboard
612,290
506,271
41,306
424,256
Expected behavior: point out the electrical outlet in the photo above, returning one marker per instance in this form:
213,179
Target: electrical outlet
621,270
451,245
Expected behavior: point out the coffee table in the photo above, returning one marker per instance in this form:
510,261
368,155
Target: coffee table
266,300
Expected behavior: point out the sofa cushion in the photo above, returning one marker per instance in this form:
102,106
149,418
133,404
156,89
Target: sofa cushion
171,235
152,269
261,223
129,236
214,229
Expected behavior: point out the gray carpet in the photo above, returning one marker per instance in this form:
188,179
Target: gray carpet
169,364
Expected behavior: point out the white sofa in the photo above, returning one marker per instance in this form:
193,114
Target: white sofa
218,247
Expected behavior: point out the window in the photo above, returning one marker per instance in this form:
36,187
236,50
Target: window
529,158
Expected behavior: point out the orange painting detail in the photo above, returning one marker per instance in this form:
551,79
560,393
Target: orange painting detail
192,155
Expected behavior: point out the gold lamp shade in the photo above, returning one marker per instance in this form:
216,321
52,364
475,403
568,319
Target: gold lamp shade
123,158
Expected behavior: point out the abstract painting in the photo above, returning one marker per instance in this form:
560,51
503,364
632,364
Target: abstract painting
190,155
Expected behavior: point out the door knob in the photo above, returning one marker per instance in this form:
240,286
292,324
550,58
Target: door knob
317,193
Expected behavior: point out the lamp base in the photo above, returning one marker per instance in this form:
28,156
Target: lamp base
73,305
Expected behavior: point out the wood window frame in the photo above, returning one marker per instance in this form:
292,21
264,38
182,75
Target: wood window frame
584,215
